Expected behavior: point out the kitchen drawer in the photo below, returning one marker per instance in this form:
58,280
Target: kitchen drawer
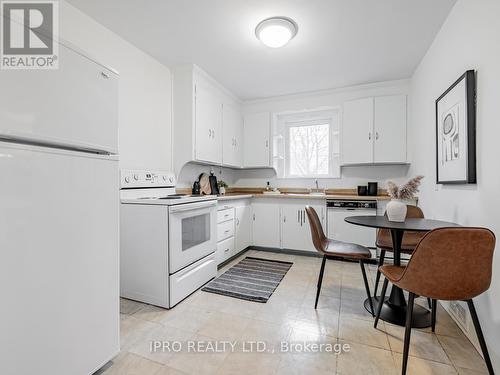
225,250
225,230
187,280
225,215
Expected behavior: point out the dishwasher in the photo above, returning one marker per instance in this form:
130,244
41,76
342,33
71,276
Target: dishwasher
339,229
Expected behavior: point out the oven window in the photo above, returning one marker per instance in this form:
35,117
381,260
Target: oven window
195,230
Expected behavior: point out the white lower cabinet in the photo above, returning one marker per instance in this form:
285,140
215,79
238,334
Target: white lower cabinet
295,229
234,228
225,230
266,224
243,228
284,224
225,250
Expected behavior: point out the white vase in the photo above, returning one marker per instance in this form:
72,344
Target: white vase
396,210
222,190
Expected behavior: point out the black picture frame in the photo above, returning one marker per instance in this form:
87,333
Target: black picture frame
470,102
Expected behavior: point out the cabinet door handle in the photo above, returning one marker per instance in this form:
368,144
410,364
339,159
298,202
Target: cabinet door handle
226,250
267,143
298,216
238,222
284,219
376,135
370,136
253,217
209,133
213,134
104,75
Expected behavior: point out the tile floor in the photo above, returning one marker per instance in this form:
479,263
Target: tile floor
288,316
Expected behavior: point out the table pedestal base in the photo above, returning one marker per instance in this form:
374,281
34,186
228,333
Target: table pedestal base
397,314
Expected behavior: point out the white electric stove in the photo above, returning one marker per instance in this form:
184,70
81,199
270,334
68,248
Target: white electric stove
168,240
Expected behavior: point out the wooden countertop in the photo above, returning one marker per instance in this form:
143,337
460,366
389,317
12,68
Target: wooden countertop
230,196
293,193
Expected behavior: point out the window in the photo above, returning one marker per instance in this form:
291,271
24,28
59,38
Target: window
306,144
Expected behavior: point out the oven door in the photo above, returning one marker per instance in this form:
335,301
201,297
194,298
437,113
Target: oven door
192,233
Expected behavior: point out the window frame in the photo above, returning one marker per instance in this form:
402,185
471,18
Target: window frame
286,121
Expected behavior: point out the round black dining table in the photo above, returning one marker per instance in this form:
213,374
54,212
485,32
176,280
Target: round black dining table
394,308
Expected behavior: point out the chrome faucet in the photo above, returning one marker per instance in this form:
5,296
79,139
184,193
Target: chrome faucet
317,185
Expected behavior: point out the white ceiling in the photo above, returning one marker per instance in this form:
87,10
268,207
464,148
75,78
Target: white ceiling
339,43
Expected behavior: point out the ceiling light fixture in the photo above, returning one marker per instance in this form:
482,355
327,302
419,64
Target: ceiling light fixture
275,32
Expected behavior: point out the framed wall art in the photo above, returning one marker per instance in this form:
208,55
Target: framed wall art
456,132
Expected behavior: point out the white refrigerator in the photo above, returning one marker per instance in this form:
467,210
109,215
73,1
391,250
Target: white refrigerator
59,218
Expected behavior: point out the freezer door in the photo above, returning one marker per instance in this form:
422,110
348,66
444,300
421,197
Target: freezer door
75,105
59,261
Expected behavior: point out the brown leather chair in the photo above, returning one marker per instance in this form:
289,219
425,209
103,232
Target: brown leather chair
410,241
332,249
450,264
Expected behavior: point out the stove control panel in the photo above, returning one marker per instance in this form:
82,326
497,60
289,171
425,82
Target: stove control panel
143,179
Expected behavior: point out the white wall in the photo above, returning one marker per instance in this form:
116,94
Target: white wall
190,172
144,90
469,39
351,176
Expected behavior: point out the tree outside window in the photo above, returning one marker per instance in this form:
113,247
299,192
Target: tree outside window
309,150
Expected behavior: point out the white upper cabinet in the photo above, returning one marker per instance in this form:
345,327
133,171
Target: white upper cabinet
357,131
256,133
390,129
374,130
207,124
232,128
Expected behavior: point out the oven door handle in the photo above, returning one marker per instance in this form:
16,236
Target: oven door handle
192,206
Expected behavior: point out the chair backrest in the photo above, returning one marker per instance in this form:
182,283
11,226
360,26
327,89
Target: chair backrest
451,264
412,212
318,236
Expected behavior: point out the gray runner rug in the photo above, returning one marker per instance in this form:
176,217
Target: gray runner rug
252,279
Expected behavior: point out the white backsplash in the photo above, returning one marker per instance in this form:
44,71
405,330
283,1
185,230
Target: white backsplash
191,172
350,178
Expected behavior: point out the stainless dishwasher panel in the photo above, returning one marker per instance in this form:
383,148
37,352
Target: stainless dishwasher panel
339,229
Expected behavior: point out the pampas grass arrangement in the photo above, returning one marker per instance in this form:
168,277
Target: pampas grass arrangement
406,191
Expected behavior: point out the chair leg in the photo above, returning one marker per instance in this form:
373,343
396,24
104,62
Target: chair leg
429,303
320,280
380,264
367,287
409,315
433,315
381,302
480,337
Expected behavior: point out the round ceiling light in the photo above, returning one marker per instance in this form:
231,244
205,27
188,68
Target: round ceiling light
275,32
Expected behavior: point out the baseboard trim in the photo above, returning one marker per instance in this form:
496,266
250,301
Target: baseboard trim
229,260
313,254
